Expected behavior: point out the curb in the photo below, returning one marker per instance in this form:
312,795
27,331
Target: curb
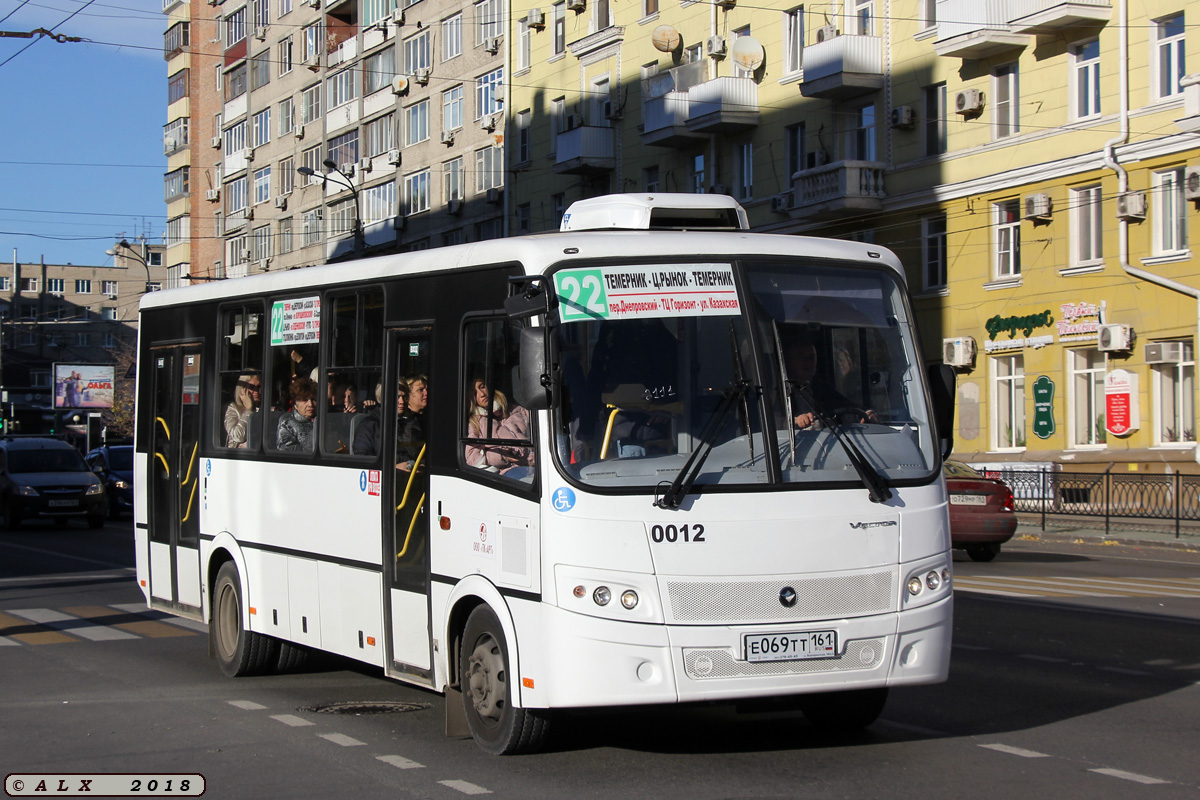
1186,541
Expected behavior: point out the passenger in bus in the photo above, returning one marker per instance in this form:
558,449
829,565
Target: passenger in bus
297,428
410,427
342,396
500,422
368,437
246,396
812,392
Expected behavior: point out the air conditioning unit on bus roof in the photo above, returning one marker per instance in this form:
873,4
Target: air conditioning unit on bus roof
958,351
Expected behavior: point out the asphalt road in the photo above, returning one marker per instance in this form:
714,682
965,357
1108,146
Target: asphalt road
1075,674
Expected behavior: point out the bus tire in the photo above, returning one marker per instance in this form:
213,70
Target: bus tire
497,727
292,657
239,651
844,712
983,552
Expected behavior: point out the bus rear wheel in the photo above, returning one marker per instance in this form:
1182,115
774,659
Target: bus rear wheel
844,712
498,727
238,651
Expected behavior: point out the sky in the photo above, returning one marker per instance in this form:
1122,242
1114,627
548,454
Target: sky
81,157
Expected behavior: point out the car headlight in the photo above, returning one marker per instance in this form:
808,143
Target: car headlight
120,484
26,491
95,488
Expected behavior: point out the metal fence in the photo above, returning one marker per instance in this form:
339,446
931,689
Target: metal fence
1167,498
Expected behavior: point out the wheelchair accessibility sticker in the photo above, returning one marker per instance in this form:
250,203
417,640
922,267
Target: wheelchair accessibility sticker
563,499
370,481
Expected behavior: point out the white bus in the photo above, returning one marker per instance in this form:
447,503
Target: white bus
664,462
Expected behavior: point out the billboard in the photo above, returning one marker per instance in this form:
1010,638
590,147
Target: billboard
83,385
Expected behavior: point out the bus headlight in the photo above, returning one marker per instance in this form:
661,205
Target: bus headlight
914,585
602,595
629,599
933,580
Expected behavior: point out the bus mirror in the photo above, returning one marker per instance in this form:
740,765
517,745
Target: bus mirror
528,298
941,393
531,378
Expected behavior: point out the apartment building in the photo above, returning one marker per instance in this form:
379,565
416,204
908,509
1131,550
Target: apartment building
1033,162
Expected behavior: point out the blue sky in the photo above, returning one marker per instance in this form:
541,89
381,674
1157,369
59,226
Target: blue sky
81,158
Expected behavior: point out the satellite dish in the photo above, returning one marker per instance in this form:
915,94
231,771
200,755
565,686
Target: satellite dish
666,39
399,85
748,53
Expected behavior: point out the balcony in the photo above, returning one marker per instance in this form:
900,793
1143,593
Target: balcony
1048,16
975,29
723,105
585,150
837,189
842,67
664,121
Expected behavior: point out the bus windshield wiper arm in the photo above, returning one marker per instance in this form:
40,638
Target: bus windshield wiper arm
877,490
673,497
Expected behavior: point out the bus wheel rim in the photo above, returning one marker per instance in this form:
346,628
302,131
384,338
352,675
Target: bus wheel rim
486,679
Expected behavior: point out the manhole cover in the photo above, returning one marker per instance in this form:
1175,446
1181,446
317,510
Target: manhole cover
367,707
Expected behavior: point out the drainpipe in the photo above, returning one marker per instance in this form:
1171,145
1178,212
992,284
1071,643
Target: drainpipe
1110,161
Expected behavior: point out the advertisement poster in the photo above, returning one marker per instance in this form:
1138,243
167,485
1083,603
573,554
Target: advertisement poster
83,386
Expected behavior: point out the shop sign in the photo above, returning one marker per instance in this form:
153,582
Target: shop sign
1025,324
1043,407
1080,322
1121,413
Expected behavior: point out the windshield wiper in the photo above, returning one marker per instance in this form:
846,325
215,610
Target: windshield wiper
682,485
877,490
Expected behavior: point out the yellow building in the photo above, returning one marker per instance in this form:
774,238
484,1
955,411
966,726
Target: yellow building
1034,163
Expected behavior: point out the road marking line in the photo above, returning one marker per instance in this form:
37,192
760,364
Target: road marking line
1128,776
292,720
341,739
1124,671
75,626
140,608
465,788
1014,751
104,615
1047,659
246,705
400,762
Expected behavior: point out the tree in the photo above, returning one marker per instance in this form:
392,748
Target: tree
119,418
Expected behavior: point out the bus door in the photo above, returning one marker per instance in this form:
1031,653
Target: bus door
174,509
406,502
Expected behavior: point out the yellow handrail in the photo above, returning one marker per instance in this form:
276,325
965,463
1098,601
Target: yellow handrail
191,463
411,477
166,430
412,524
608,430
163,459
191,499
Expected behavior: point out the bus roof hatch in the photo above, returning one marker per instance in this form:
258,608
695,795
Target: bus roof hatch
656,212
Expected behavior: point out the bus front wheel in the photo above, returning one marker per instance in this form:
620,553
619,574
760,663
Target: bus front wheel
238,651
498,727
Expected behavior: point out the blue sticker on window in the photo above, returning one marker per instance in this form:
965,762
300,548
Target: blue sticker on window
564,499
208,466
362,481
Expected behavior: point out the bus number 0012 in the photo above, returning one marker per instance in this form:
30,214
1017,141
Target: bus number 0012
676,533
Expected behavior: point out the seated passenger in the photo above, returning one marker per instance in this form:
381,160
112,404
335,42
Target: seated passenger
237,414
297,428
368,437
813,395
497,423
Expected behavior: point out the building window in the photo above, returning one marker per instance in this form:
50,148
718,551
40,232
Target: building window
860,145
285,235
284,56
489,168
935,119
154,258
310,227
452,111
454,180
344,149
524,218
341,218
311,158
864,18
1086,399
743,170
56,286
261,127
793,40
1006,120
1170,212
175,135
235,27
177,86
261,243
934,256
381,135
1008,402
524,144
558,202
416,192
697,175
488,93
235,195
110,339
83,340
235,138
260,70
314,38
1174,393
416,52
487,13
176,38
558,24
287,116
416,123
1085,73
235,82
649,8
650,179
285,179
380,69
311,106
1007,224
175,184
1087,225
452,41
342,88
262,185
379,202
83,286
1168,59
796,144
928,14
107,288
558,121
262,13
523,45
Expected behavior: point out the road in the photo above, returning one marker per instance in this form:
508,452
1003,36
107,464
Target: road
1074,674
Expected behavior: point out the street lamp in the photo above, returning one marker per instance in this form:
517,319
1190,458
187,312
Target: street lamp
360,242
131,253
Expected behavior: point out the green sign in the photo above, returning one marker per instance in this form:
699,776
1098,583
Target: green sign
1043,407
581,294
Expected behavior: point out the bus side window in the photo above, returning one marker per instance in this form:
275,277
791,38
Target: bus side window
495,430
240,378
352,379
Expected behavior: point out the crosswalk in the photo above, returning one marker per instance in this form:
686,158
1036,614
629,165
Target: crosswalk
36,626
1078,587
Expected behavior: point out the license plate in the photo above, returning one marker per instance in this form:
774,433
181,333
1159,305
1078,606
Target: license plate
789,646
63,503
968,499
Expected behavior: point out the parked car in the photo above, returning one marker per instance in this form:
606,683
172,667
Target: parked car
47,478
114,465
981,511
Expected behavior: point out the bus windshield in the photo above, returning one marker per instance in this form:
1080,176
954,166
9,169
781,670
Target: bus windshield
792,373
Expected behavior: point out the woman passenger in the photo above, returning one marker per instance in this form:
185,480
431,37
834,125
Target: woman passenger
246,397
495,423
297,430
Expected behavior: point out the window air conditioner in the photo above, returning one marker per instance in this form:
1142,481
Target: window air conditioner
494,194
826,32
421,75
726,4
398,16
212,195
576,5
1131,205
782,203
716,46
448,137
249,154
299,131
244,253
454,206
959,351
260,33
968,101
281,201
393,157
216,142
1037,206
1191,183
365,164
492,45
1116,338
1164,353
488,122
249,214
536,19
902,117
400,85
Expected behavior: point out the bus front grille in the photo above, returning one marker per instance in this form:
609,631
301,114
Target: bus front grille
825,597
